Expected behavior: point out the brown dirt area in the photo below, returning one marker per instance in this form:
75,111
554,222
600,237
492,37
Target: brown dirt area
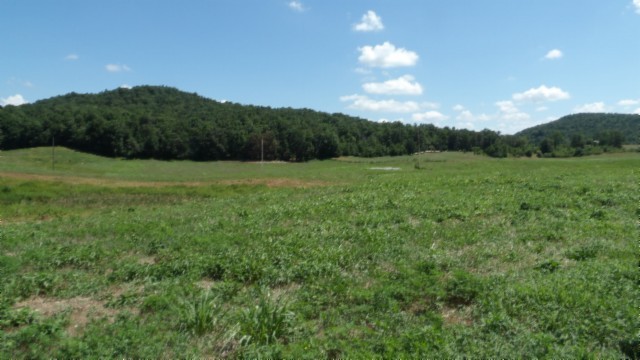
83,310
74,180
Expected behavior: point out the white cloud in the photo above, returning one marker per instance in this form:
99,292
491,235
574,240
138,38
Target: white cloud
542,93
509,111
429,116
15,100
370,22
590,108
115,68
465,125
72,57
465,115
361,102
458,107
296,5
386,56
554,54
636,3
637,111
404,85
542,108
628,102
125,86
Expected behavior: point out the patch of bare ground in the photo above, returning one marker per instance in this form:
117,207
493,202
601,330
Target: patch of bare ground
75,180
205,284
278,182
457,315
146,260
284,292
82,310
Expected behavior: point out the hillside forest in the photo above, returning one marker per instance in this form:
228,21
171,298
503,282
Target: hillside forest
164,123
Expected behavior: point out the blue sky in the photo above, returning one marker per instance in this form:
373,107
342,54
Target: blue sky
504,65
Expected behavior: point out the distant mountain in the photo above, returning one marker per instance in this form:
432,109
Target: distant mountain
591,126
166,123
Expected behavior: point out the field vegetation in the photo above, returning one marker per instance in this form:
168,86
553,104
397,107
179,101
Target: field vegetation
437,255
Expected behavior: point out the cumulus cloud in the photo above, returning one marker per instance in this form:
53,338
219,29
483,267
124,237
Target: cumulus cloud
429,117
509,111
386,55
361,102
125,86
542,93
465,115
595,107
15,100
458,107
404,85
628,102
370,22
636,3
296,5
554,54
116,68
637,111
72,57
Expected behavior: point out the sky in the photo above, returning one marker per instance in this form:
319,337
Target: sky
503,65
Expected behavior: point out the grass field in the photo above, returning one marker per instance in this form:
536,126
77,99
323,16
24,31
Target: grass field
445,255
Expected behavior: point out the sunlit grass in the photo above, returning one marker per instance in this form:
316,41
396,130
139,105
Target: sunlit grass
460,256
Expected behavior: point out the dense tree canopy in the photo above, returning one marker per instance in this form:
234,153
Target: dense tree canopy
165,123
605,129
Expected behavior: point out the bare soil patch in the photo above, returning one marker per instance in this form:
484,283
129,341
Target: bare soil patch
83,310
74,180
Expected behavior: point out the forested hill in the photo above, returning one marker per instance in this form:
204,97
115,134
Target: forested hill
165,123
593,126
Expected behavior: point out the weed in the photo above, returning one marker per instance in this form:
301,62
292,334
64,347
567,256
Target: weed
265,323
199,314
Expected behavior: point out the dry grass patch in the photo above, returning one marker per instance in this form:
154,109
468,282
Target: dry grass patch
82,310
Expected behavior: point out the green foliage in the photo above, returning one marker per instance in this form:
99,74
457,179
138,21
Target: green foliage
165,123
266,323
469,257
582,129
199,314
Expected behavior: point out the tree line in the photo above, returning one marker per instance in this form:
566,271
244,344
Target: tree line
165,123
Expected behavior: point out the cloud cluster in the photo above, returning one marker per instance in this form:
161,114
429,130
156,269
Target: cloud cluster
386,55
370,22
554,54
15,100
429,117
595,107
404,85
628,102
296,5
509,111
636,3
542,93
116,68
362,102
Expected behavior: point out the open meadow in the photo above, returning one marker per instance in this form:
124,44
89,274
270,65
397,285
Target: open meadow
436,255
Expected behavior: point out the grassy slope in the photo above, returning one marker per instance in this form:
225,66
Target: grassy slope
461,255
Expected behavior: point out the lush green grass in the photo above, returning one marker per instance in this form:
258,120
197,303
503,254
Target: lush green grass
452,255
